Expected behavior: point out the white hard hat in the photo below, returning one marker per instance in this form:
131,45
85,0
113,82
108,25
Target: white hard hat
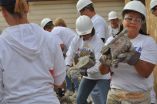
112,15
84,25
135,6
45,21
153,3
82,3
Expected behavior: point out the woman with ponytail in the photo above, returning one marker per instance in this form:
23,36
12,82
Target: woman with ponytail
31,61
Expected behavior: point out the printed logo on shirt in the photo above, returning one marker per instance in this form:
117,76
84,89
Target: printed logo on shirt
138,49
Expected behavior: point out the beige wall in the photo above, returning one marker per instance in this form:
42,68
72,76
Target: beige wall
66,9
151,22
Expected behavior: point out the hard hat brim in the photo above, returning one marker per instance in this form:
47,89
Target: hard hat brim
84,33
113,18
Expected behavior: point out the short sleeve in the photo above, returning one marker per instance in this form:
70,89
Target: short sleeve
149,51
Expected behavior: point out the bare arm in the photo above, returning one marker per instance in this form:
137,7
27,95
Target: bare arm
60,86
104,69
144,68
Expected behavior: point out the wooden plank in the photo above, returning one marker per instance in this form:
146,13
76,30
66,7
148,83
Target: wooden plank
151,22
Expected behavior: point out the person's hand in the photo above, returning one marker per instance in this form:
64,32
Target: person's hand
60,92
104,69
83,72
85,62
85,52
106,60
130,57
73,72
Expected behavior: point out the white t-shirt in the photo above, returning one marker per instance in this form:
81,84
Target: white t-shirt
100,25
65,34
57,38
112,31
125,76
31,62
95,44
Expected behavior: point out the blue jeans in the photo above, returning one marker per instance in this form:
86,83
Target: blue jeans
100,91
69,84
85,88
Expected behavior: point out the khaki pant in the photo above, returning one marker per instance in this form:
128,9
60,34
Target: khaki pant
116,96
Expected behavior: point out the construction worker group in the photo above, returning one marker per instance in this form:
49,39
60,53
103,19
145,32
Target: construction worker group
51,63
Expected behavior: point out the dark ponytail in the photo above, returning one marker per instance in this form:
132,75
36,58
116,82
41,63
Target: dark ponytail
93,32
142,32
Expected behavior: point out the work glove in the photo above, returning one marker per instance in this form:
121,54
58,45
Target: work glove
85,62
73,72
131,57
60,92
83,72
106,57
86,58
86,52
106,60
76,58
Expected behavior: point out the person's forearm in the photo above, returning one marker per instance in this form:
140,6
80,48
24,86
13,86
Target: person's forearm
144,68
59,86
104,69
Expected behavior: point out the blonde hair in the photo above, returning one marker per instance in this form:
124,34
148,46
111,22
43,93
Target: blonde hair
21,7
17,8
59,22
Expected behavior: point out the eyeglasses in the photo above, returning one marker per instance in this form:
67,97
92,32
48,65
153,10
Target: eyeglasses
130,19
